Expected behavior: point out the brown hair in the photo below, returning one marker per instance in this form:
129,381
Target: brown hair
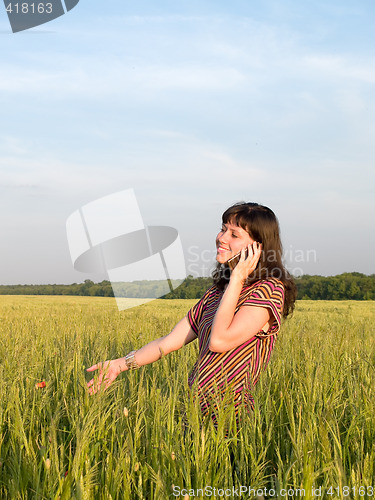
262,226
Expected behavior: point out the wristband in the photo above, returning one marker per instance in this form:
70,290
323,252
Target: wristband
130,361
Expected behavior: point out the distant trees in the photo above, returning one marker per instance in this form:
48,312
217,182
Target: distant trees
346,286
103,289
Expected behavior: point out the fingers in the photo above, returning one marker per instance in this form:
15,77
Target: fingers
105,383
107,374
108,382
257,251
99,366
94,385
253,253
91,388
246,252
254,250
93,367
250,251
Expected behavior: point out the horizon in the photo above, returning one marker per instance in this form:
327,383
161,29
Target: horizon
189,276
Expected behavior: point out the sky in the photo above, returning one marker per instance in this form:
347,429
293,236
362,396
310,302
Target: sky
195,105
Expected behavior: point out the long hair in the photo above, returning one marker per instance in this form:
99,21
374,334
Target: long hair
262,226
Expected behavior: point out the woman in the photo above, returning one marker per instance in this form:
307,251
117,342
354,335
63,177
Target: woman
237,319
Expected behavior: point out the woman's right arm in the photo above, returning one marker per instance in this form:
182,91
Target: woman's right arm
181,335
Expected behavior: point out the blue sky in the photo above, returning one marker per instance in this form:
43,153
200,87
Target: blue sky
194,105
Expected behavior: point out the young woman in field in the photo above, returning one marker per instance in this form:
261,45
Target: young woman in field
236,321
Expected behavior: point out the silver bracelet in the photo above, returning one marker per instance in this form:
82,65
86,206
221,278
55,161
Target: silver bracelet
130,361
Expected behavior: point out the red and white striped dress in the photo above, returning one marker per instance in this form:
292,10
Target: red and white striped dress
238,369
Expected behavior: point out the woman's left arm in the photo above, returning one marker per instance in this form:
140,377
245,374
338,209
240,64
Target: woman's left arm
230,330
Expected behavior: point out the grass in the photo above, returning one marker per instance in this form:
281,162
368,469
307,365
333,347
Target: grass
313,425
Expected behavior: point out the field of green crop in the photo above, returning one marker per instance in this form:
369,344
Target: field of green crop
312,431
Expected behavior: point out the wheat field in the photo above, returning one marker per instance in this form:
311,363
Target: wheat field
311,433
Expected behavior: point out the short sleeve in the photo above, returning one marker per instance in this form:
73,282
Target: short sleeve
270,294
194,315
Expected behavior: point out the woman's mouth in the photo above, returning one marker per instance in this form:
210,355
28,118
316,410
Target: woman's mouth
222,249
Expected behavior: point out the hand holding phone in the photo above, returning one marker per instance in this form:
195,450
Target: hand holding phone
255,248
233,261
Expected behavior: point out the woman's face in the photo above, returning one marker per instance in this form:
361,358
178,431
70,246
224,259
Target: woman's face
230,240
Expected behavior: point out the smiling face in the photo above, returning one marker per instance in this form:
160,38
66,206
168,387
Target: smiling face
230,240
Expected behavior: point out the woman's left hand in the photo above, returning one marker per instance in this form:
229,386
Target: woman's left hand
247,265
108,372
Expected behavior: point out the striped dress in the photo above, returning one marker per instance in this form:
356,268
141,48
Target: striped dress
238,369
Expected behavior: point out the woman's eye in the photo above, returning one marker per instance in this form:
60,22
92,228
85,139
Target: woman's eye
234,235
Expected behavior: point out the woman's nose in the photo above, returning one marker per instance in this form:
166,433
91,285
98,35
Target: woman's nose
223,237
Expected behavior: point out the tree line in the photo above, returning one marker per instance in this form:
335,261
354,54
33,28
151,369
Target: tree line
346,286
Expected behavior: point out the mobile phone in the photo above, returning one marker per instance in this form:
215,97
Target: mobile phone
233,261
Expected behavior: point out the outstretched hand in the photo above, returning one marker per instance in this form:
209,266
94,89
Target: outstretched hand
108,372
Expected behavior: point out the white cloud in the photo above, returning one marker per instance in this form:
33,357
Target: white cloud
118,79
341,68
